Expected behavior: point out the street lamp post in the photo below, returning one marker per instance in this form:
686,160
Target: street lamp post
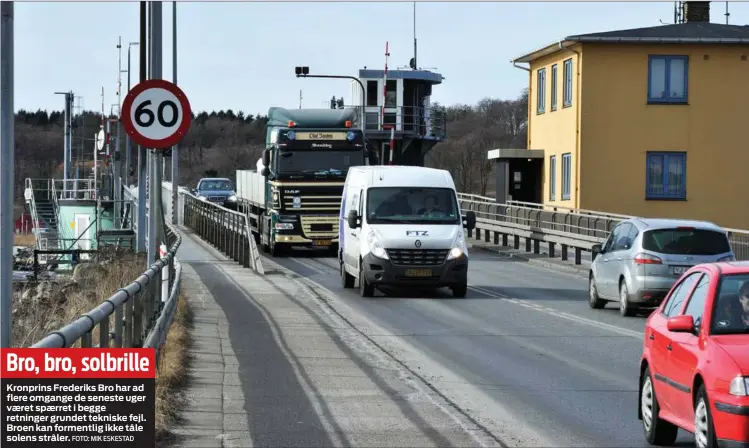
303,72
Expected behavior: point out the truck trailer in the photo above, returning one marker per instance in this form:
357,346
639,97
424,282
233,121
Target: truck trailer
293,197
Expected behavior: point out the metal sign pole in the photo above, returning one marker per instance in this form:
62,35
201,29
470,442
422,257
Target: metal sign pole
155,224
142,152
175,149
7,139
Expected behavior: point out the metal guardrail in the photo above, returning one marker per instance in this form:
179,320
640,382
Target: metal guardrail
227,230
575,223
131,315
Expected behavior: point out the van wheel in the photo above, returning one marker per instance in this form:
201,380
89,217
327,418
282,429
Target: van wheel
594,300
658,432
347,280
460,290
625,306
365,289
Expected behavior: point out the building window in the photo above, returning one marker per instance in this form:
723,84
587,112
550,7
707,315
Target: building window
667,79
541,107
371,93
568,83
666,175
554,87
566,175
553,178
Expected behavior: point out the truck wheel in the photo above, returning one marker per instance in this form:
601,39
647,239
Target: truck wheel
277,250
460,290
347,280
365,289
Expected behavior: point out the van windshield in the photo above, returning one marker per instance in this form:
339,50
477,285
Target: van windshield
412,205
686,241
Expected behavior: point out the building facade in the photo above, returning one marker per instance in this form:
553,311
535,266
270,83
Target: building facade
646,122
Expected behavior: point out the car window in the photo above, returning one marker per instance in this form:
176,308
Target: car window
677,297
685,240
622,238
608,247
633,232
696,304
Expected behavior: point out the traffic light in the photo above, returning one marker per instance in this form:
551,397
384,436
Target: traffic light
333,102
339,103
301,71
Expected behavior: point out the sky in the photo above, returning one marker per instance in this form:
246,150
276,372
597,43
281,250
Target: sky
241,55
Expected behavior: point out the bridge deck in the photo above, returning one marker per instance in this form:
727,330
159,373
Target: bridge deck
273,367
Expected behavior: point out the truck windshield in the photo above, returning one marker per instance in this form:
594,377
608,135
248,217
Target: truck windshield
731,307
412,205
319,161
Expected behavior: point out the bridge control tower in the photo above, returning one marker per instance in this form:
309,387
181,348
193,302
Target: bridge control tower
397,105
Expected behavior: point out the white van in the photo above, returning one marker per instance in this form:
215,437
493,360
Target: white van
401,227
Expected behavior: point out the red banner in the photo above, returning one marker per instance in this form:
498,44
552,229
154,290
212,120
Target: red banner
78,363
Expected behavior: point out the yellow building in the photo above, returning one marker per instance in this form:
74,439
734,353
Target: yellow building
649,122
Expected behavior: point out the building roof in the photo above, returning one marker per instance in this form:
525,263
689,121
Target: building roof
680,33
419,75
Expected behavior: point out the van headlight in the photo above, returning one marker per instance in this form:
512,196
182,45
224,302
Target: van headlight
375,246
739,386
459,248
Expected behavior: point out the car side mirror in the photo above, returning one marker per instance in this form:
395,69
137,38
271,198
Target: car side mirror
680,324
596,250
469,222
353,219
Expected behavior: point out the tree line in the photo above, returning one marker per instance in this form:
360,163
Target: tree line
223,141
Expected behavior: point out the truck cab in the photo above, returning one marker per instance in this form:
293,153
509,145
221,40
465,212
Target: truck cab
401,227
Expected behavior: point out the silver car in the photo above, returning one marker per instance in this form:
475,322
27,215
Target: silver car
642,258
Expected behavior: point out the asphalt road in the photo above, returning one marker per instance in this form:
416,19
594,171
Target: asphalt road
522,354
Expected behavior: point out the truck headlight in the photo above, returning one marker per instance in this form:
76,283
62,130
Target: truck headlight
375,246
459,248
284,225
739,386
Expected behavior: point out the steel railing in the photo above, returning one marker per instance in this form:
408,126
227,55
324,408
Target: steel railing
227,230
575,222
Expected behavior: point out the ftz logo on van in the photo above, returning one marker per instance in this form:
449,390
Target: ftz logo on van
417,233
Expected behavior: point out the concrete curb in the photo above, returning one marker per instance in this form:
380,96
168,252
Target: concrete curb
557,266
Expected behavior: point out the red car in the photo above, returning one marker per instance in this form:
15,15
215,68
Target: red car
694,372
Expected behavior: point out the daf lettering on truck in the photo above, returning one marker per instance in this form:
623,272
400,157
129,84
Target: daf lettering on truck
401,227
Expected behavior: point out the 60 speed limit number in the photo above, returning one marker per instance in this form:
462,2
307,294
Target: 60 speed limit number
156,114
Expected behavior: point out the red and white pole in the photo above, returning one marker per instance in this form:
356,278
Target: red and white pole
384,84
392,144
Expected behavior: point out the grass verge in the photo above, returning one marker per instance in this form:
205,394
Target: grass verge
173,370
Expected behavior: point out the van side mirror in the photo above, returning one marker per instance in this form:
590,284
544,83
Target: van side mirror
596,250
469,222
353,219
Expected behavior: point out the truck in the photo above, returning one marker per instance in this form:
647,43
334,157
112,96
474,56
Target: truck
293,197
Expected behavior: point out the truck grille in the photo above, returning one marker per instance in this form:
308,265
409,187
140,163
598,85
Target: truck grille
312,202
319,226
417,257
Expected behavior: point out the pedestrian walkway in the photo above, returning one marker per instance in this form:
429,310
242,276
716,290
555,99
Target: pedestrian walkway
271,367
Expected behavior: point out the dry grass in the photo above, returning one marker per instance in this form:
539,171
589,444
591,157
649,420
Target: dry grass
36,315
24,239
173,370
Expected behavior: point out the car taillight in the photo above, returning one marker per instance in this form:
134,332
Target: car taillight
647,259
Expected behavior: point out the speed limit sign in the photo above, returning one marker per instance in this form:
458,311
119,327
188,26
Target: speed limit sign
156,114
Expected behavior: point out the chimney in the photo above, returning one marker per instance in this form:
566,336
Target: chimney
696,11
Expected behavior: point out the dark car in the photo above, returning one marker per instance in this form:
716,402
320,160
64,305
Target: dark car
218,191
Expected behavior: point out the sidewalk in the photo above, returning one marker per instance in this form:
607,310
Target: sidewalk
541,259
271,368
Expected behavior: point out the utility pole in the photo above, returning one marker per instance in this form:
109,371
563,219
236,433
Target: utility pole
142,152
175,148
7,141
155,223
116,166
128,143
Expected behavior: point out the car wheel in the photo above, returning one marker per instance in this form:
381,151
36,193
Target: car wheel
347,280
460,290
365,289
658,432
625,306
594,300
704,431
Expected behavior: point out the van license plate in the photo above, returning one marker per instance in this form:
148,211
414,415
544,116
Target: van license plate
418,273
678,270
322,242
